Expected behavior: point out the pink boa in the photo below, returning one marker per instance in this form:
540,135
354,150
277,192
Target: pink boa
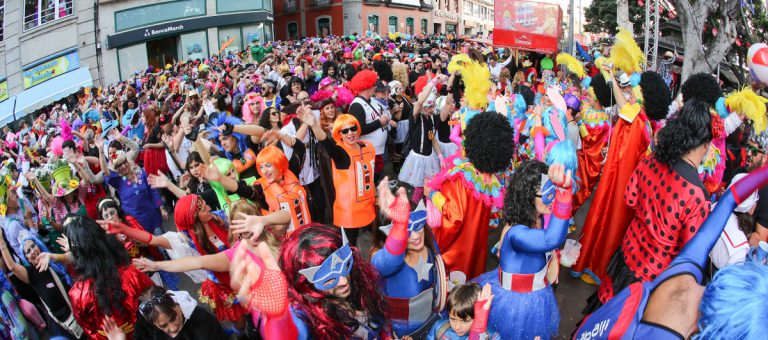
321,95
344,96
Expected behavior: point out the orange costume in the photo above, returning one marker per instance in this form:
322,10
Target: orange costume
86,310
609,215
594,129
287,194
355,189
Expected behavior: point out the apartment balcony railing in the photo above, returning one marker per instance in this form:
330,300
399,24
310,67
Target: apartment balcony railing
55,10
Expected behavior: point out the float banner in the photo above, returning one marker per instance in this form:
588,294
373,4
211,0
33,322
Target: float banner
527,25
50,69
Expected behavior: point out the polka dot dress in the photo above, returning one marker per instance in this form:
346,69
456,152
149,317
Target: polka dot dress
670,206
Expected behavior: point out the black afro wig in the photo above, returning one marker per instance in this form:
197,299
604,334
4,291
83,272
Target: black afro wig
602,91
489,142
702,87
656,95
383,69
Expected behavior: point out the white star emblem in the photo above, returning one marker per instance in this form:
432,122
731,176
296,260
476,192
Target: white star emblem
422,269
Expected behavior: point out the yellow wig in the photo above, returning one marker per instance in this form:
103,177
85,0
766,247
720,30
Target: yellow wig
571,63
477,80
625,54
599,62
748,103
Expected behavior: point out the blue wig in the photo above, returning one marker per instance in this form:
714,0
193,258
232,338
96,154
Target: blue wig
520,106
634,79
57,267
734,303
586,82
214,133
720,107
564,153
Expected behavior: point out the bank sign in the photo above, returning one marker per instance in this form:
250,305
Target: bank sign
50,69
3,90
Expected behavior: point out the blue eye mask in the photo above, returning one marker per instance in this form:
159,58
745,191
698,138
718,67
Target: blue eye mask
337,265
547,190
416,221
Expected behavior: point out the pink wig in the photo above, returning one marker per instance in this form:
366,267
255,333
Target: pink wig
56,146
344,96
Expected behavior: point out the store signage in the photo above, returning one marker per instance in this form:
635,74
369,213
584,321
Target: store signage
447,14
182,26
50,69
3,90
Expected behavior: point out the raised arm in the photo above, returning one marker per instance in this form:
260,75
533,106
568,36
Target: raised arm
14,267
218,262
392,257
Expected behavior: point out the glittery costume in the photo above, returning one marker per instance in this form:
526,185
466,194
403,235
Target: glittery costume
524,305
594,128
85,308
622,316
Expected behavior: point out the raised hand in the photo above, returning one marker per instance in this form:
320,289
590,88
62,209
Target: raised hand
559,176
212,173
487,296
247,224
43,260
112,227
158,181
145,265
63,242
113,331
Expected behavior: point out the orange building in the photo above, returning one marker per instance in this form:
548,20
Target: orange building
312,18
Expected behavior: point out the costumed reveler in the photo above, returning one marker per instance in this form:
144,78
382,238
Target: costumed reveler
668,201
410,264
106,285
667,308
234,146
524,304
629,142
594,127
465,194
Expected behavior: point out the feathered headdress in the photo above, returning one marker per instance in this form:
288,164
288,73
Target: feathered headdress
625,54
571,63
476,79
748,103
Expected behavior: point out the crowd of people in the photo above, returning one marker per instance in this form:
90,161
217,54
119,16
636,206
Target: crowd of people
261,176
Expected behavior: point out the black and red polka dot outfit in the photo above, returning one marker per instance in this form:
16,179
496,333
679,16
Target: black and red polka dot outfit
670,205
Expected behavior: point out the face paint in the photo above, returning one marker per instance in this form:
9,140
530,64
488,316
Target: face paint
337,265
547,190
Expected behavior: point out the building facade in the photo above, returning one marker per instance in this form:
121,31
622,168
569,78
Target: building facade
315,18
142,33
48,50
447,16
477,17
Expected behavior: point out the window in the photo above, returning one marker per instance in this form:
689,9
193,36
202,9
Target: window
253,32
152,14
392,24
195,45
467,8
373,23
293,30
455,5
224,6
477,11
324,26
2,16
424,26
227,34
268,32
132,59
40,12
409,26
450,28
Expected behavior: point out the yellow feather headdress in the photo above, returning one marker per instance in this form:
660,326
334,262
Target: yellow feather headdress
571,63
625,54
477,80
748,103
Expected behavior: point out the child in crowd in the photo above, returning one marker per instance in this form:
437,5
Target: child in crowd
468,308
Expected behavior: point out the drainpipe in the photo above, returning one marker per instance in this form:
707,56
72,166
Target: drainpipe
97,34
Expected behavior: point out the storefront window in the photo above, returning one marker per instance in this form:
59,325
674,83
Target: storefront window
450,28
373,23
392,24
424,26
293,30
324,26
194,45
223,6
409,26
251,32
40,12
131,59
152,14
227,34
268,32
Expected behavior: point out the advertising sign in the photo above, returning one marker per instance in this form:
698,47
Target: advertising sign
50,69
3,90
527,25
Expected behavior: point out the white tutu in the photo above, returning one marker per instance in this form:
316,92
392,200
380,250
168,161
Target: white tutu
448,149
402,131
418,167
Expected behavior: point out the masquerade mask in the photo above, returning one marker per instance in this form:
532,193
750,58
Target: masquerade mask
416,220
337,265
547,190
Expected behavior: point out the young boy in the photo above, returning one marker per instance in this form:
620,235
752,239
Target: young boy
468,308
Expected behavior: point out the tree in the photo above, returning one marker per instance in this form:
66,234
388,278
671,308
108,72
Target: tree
700,17
601,15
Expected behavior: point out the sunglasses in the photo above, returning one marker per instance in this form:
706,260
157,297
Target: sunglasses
146,307
753,150
274,113
349,129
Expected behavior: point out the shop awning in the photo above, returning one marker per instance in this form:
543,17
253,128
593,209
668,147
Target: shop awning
43,94
6,111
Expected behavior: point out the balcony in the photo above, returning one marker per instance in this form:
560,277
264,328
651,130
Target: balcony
38,16
426,5
319,3
290,7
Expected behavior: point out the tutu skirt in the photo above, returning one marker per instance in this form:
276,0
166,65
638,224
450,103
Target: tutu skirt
154,160
418,167
448,149
521,315
402,131
222,301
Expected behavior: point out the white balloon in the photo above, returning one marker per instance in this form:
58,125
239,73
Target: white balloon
752,50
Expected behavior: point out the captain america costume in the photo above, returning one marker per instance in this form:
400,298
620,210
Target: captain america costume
622,316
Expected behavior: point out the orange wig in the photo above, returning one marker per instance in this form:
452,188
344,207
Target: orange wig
273,155
341,121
